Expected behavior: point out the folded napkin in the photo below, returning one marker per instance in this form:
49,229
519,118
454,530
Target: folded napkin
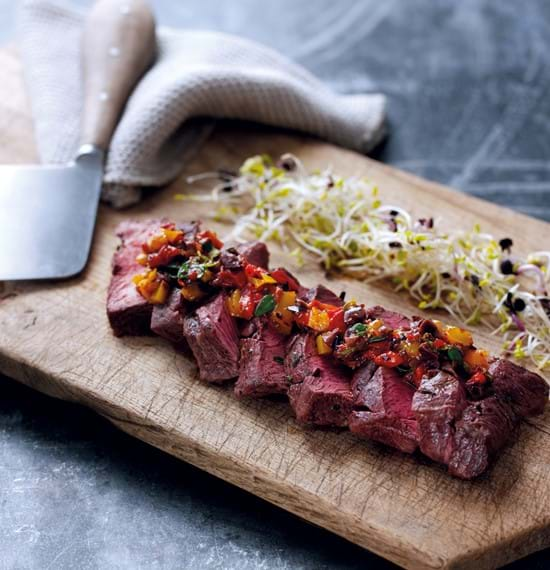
197,75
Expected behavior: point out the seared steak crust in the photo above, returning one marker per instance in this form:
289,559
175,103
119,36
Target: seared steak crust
526,391
167,319
484,428
437,405
128,312
261,370
212,335
320,393
384,411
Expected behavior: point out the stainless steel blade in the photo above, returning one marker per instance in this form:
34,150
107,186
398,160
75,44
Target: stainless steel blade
47,217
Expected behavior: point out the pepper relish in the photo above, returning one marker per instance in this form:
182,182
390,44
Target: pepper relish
192,262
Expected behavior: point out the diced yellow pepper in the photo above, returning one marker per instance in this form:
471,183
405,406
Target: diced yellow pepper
318,320
207,276
191,292
411,348
233,305
265,279
152,288
160,294
322,346
456,335
139,277
155,242
281,317
144,280
477,358
376,324
142,259
172,235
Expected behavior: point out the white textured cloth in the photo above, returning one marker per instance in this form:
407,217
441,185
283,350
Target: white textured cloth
197,76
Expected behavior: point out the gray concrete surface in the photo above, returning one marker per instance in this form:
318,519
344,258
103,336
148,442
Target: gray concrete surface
468,86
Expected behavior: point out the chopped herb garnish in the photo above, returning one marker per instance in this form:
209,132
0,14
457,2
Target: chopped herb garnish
375,339
171,270
359,329
455,355
266,305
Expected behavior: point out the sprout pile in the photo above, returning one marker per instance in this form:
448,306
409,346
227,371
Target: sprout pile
345,224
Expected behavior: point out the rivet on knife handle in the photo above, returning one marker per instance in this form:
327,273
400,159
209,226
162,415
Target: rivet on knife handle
118,46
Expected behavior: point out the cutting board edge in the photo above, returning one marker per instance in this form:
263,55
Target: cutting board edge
303,504
200,456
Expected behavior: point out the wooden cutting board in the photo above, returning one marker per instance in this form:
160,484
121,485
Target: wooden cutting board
55,337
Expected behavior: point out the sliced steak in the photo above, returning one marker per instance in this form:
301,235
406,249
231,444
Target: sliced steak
320,393
261,369
391,319
302,359
526,391
360,381
255,252
388,417
484,428
323,295
212,334
437,405
167,319
128,312
324,400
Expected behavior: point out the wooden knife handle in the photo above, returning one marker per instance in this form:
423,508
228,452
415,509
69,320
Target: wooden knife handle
118,46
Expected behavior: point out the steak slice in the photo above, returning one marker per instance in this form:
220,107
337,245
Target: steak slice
388,418
261,369
526,391
437,405
484,428
167,319
323,295
391,319
212,335
128,312
302,359
359,382
320,393
255,252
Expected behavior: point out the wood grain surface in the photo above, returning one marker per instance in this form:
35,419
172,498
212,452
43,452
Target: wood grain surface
55,337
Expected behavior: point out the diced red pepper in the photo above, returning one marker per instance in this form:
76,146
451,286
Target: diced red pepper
478,378
418,374
377,348
164,255
439,343
412,336
250,297
302,318
212,237
226,278
336,320
389,359
283,277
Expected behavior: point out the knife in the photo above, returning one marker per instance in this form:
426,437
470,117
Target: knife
48,213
